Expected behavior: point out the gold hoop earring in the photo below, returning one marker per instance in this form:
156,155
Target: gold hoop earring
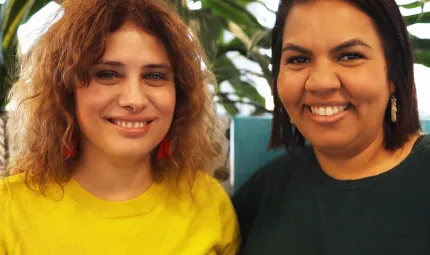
393,109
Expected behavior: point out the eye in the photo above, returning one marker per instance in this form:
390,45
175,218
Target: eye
155,79
298,60
106,75
350,56
154,76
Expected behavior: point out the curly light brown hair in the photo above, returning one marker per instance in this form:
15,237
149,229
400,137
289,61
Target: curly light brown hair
44,124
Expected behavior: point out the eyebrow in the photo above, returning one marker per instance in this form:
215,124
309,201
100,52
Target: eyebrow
337,48
119,64
295,47
349,44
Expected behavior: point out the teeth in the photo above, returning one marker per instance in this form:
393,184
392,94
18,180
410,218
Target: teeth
329,110
335,110
128,124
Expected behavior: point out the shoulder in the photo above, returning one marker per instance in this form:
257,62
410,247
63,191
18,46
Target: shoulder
205,188
198,189
422,146
420,155
9,186
10,183
15,189
207,192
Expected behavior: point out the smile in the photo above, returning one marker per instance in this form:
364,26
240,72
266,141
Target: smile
131,128
328,110
130,124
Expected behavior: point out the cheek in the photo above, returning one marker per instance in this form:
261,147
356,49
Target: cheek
90,102
164,100
367,85
290,89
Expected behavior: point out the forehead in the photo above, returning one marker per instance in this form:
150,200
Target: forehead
131,42
329,22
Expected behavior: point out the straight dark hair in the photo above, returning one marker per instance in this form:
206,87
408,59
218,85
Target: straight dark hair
397,46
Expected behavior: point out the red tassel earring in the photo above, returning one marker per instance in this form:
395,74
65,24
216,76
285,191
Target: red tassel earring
164,151
69,153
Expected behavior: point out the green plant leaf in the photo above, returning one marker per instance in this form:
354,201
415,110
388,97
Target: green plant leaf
224,69
264,61
231,108
1,52
6,13
412,5
228,104
244,2
418,18
3,9
261,39
422,57
233,45
209,29
14,8
244,89
235,12
420,44
13,14
15,22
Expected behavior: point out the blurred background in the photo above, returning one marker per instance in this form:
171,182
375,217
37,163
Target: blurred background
236,37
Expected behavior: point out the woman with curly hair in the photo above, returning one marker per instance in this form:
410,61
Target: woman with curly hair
111,135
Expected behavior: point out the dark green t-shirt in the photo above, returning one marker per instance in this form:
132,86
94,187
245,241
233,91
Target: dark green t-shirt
292,207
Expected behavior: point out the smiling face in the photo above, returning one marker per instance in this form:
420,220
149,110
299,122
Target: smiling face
129,104
333,79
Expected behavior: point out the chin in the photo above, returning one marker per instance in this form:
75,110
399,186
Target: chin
128,152
330,144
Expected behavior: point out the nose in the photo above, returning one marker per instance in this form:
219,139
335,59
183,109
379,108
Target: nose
133,95
322,78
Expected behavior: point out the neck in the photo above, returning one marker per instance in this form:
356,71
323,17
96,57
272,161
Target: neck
370,160
113,179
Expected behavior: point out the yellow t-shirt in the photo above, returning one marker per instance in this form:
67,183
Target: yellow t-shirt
160,221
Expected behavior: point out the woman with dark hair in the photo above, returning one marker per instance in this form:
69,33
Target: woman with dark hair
358,177
111,139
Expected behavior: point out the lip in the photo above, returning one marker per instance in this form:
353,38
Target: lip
326,104
130,118
327,120
131,132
